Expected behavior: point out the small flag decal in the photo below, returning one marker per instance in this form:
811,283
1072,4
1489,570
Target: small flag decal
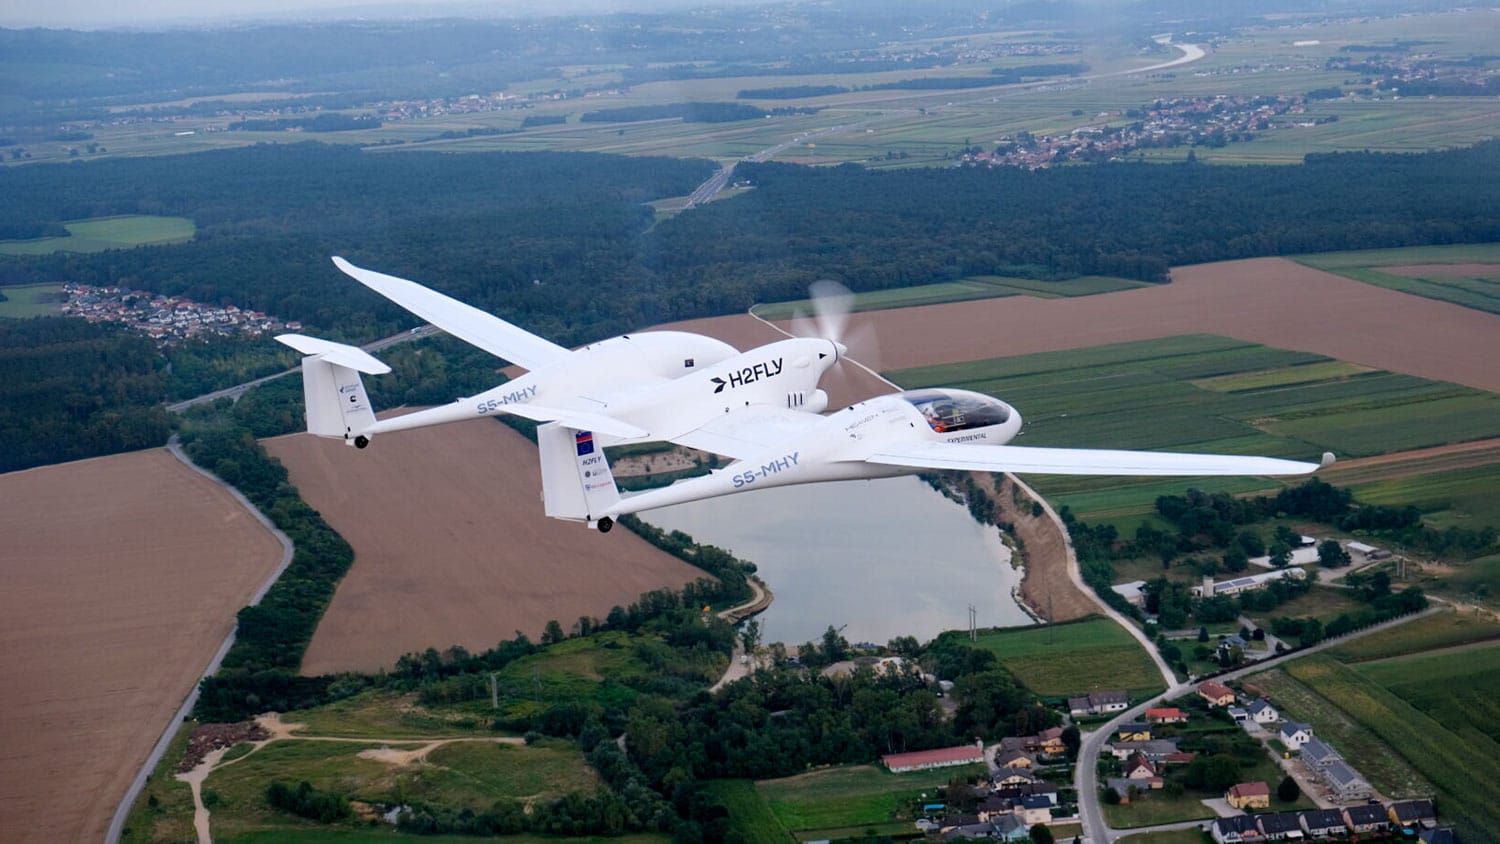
585,442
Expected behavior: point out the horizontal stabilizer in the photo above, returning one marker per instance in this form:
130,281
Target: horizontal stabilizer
340,354
1081,461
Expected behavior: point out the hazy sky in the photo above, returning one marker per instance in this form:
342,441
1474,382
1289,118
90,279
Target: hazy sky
95,14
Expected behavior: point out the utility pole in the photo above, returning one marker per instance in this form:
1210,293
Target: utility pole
494,691
973,634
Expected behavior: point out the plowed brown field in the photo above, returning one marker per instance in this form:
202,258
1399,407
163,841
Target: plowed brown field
122,576
451,545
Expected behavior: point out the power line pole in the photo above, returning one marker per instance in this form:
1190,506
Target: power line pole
973,634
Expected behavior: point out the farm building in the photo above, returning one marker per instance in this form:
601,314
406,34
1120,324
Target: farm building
1210,589
1365,551
1132,592
941,758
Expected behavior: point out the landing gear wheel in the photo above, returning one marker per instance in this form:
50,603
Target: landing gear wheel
605,524
361,441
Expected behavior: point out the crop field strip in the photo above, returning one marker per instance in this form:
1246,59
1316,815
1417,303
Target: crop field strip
848,798
961,290
102,233
1216,394
1462,762
1479,288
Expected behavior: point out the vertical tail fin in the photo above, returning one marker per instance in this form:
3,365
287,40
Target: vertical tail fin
577,484
337,405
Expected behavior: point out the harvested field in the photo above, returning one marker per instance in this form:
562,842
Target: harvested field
1271,301
451,547
123,575
1405,464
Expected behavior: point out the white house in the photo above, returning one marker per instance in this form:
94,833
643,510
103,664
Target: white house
1262,712
1294,735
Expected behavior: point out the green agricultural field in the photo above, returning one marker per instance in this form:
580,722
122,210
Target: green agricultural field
29,300
751,817
1439,630
390,836
1463,497
1444,685
852,797
962,290
1473,280
1066,659
106,233
1462,761
1378,762
1216,394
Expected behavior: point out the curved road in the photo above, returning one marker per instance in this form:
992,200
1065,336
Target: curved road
117,823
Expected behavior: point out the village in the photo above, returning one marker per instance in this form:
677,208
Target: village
167,319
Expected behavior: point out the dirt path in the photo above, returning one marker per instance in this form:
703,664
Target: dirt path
280,730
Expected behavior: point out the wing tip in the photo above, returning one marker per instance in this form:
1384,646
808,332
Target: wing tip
1327,460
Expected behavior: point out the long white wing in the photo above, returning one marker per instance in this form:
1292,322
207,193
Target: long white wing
1082,461
465,322
747,431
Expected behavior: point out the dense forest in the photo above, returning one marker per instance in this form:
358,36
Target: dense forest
564,245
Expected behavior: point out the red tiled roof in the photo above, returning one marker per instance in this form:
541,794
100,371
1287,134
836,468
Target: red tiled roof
964,753
1250,789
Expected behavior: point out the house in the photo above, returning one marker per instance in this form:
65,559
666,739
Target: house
1034,810
1346,782
940,758
1249,795
1228,643
1262,712
1279,826
1137,768
993,807
1437,836
1034,789
1010,828
1050,743
1155,750
1235,829
1014,759
1217,694
1294,734
1014,776
1366,817
1133,731
1318,755
1413,813
1323,823
1166,715
1239,715
1099,703
1181,757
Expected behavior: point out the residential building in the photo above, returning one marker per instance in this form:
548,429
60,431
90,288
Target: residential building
1010,828
1014,776
1279,826
1294,734
1249,795
1099,703
1039,788
1217,694
940,758
1166,715
1262,712
1413,813
1437,836
1049,743
1235,830
1133,731
1366,818
1318,754
1239,715
1034,810
1155,750
1346,782
1137,768
1013,759
1323,823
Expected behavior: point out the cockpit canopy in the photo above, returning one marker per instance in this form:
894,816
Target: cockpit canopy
957,410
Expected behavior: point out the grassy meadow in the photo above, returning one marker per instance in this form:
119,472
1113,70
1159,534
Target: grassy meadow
845,801
1061,660
29,300
104,233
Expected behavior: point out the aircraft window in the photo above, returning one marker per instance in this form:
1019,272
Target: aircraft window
946,412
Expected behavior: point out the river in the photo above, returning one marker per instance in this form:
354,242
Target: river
887,558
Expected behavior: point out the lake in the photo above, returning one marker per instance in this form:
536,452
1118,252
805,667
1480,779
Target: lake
888,558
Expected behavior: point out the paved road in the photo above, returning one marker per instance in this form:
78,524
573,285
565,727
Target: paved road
117,823
1095,829
240,389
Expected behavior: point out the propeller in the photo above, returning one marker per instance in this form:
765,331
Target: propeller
832,303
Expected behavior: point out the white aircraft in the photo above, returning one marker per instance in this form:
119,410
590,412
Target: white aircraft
655,385
898,434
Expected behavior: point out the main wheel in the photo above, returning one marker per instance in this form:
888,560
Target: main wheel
605,524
